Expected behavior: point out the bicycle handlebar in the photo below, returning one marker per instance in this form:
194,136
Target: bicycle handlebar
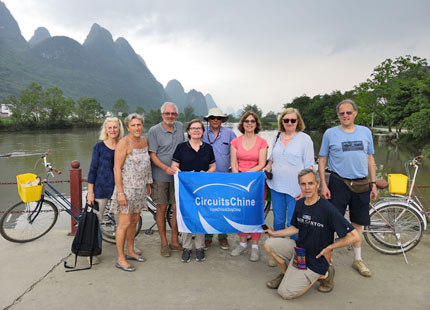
417,160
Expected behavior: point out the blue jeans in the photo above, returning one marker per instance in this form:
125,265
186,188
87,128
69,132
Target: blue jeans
283,209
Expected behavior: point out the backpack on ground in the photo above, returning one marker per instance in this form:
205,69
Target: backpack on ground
88,237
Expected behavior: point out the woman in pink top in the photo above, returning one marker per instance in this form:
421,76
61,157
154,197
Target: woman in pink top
248,154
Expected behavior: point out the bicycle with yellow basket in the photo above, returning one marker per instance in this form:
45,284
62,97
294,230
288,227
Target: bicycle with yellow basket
397,221
37,213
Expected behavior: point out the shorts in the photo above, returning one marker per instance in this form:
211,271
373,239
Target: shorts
296,281
163,192
342,196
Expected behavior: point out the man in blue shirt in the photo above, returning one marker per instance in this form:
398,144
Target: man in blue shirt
219,138
307,260
348,148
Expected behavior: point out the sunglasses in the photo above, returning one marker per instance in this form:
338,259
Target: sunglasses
250,121
215,117
287,120
345,113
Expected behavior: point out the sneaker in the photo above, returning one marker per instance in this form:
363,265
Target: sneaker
327,284
186,256
238,250
176,248
165,251
274,284
95,260
207,244
224,243
271,263
255,255
200,255
361,267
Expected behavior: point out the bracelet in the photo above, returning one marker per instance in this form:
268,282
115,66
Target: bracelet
372,183
122,193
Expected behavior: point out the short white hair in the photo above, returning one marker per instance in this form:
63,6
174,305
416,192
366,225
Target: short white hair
167,103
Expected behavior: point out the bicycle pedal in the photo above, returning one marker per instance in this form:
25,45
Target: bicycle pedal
149,232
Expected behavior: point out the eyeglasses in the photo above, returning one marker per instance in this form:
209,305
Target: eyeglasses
287,120
215,117
196,128
248,121
170,113
345,113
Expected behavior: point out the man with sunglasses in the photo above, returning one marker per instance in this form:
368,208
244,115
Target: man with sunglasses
348,148
163,139
219,138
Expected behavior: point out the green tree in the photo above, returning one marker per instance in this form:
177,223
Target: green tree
120,107
254,108
387,85
153,117
17,109
189,113
57,107
32,103
140,110
88,109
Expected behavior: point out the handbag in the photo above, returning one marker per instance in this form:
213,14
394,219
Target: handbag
357,186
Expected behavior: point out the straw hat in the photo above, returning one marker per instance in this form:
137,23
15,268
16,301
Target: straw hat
216,112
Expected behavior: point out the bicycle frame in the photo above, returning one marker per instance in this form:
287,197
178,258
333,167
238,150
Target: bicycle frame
64,203
55,198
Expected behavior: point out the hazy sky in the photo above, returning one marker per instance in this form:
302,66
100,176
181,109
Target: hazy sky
247,51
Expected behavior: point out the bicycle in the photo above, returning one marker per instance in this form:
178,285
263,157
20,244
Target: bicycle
35,216
397,221
108,223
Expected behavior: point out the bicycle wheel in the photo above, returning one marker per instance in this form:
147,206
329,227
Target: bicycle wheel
25,222
108,226
393,227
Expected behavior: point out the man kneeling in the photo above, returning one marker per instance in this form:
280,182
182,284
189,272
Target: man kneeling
315,220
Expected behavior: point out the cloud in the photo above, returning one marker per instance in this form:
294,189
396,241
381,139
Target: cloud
247,51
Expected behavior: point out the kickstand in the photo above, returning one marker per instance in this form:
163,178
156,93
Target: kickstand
401,246
149,231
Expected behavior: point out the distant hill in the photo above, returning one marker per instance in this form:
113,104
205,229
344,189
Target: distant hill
100,67
193,98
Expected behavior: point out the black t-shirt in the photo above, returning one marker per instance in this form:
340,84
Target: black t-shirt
190,160
317,224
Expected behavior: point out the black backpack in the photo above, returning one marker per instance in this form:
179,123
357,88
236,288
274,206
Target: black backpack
88,237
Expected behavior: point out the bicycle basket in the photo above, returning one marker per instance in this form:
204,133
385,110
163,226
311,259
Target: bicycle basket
26,190
397,184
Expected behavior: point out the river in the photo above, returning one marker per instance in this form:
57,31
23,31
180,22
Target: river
25,148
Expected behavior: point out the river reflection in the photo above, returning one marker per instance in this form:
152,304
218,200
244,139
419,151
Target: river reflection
25,148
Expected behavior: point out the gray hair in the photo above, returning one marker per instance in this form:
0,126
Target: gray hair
306,171
163,107
133,116
346,101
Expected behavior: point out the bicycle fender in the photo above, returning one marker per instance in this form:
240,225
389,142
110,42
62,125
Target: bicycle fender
387,201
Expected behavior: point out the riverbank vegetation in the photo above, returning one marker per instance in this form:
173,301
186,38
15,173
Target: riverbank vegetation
395,96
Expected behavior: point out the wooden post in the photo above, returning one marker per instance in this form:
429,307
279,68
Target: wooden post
75,191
